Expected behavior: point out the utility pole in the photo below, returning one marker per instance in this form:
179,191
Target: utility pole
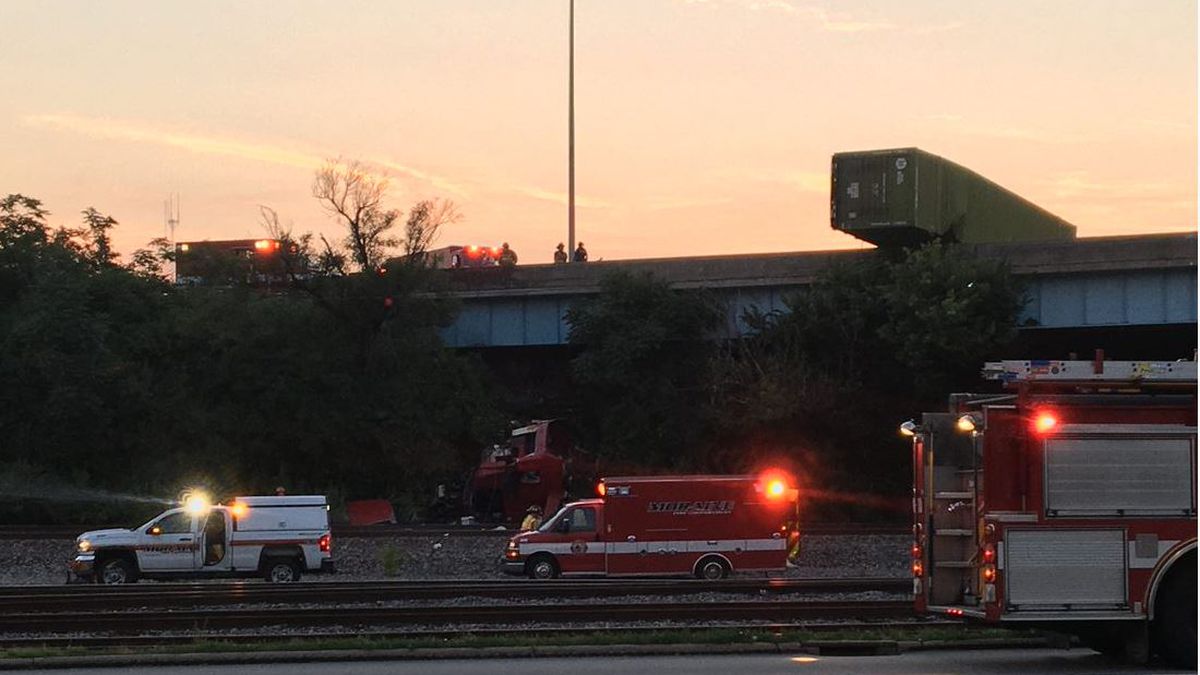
571,137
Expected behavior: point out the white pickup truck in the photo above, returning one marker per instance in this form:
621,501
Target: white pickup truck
278,538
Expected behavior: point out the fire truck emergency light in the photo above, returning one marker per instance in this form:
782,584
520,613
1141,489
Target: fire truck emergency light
967,423
1045,422
600,489
238,510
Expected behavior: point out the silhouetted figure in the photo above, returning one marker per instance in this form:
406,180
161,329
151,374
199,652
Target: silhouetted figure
560,254
580,253
508,257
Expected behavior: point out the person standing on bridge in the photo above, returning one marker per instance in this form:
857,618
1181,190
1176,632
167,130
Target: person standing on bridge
508,257
580,253
560,254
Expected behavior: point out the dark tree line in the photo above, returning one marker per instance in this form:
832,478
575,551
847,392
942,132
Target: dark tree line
113,379
819,388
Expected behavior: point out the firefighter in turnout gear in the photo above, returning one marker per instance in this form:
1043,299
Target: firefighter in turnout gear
533,519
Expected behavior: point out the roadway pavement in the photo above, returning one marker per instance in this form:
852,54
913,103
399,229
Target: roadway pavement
978,662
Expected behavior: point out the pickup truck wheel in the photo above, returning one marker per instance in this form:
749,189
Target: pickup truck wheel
281,571
116,571
712,569
541,567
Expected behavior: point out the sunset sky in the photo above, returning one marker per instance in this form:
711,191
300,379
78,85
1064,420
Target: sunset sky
702,126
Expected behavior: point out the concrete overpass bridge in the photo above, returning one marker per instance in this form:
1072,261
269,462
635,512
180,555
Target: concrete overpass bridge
1110,284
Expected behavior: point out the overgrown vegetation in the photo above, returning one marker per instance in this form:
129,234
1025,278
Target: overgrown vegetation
819,388
112,379
336,381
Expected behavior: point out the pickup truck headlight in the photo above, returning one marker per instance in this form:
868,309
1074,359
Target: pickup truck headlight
83,545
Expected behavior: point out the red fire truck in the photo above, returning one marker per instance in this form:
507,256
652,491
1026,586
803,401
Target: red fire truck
703,526
1066,502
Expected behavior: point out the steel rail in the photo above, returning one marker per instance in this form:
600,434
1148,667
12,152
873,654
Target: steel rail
445,615
107,598
99,641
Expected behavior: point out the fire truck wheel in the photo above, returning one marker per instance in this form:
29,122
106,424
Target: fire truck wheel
116,571
541,567
281,570
712,569
1175,621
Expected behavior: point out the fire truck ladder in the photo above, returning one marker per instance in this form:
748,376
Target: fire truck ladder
1094,371
953,478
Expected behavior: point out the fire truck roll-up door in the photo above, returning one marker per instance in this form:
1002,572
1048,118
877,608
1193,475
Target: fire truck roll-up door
1055,569
1120,471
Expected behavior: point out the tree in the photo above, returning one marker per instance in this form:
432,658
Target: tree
640,375
425,221
868,344
354,195
100,246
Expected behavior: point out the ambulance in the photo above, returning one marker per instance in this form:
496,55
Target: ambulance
702,526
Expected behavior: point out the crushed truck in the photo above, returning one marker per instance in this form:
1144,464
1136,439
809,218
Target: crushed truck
532,468
1065,502
702,526
278,538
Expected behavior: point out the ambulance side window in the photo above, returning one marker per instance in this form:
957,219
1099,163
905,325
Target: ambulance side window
581,520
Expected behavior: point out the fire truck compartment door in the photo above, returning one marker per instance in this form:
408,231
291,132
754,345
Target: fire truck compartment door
1120,470
1057,568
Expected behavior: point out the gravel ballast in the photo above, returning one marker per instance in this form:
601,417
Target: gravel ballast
43,561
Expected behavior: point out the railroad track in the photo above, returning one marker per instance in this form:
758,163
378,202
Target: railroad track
27,599
380,531
430,615
134,641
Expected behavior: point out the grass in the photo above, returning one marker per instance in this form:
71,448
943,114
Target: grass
716,636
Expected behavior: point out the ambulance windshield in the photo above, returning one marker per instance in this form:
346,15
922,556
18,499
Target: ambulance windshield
552,522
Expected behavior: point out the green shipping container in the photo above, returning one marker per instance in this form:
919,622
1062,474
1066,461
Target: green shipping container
908,196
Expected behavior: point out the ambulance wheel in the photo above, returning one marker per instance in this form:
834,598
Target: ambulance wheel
541,567
712,569
1174,626
281,571
116,571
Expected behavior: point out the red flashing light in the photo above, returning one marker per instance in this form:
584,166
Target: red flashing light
1045,422
776,485
266,245
495,251
916,550
325,543
918,568
775,489
989,554
473,251
600,489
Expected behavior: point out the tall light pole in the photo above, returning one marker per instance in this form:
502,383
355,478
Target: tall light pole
571,137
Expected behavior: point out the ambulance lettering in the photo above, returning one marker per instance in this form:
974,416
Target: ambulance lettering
692,508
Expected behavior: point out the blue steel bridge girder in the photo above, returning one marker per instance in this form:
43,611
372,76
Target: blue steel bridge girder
1112,281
